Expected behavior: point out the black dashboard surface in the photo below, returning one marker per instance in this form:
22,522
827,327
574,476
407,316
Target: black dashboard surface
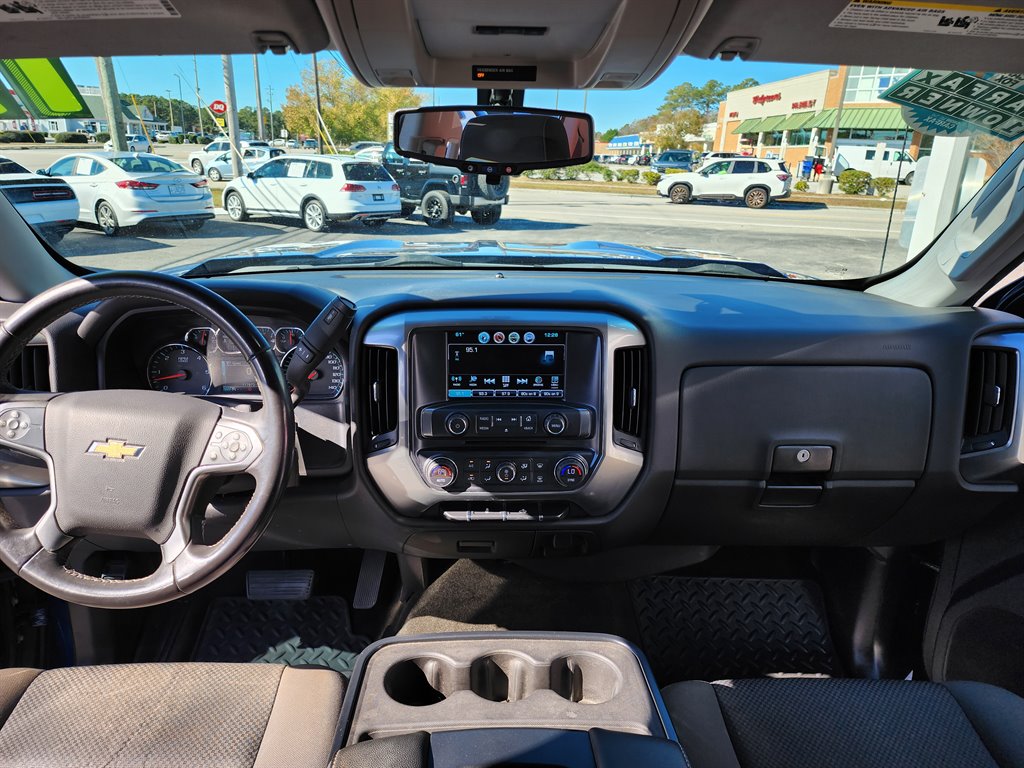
839,351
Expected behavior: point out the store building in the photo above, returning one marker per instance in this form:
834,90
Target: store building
135,121
793,118
630,144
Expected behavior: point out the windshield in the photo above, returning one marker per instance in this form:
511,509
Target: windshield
750,169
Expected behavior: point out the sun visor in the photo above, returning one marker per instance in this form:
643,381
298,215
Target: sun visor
571,44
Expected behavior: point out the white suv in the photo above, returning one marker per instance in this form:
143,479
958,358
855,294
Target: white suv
754,181
318,189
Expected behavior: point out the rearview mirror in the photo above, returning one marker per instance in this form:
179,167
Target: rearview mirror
495,140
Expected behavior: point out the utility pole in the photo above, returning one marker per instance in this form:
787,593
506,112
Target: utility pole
170,110
112,103
232,115
199,100
259,98
270,89
181,104
316,86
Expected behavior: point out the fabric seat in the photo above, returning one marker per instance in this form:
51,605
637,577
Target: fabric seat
169,715
819,723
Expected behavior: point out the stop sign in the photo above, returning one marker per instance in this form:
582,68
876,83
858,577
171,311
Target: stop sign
218,107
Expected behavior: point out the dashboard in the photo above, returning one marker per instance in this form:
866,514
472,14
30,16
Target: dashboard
480,414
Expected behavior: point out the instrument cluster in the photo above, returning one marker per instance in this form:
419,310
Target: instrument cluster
207,362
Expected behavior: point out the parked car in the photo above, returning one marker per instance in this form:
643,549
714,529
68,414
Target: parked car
135,142
277,142
252,158
310,144
48,205
756,182
200,158
440,193
712,156
359,146
889,163
121,189
318,189
292,144
680,159
370,154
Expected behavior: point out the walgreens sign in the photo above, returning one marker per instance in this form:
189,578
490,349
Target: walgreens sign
766,98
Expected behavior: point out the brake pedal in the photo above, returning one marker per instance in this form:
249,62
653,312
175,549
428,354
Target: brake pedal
371,571
279,585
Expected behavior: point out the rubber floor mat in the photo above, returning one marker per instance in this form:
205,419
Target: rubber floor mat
715,628
315,631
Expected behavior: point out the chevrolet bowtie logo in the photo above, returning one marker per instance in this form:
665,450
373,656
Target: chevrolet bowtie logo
115,449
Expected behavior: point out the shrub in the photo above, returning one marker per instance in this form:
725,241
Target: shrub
102,138
72,138
802,185
651,177
667,171
630,175
571,173
590,167
607,174
22,137
549,174
884,186
176,139
853,182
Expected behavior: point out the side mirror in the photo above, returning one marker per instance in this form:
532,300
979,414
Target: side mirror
494,140
251,175
43,172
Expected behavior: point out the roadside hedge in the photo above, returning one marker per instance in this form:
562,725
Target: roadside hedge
71,138
651,177
22,137
853,182
630,175
884,186
102,138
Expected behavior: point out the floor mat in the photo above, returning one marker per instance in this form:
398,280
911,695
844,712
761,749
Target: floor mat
717,628
293,632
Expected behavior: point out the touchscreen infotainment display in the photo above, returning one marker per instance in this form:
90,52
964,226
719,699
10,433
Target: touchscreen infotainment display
501,362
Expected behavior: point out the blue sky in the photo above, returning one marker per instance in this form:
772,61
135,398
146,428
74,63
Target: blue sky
611,109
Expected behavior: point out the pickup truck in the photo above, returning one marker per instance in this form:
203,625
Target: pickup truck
440,192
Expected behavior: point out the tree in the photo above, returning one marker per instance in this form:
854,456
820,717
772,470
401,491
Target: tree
703,98
350,110
608,135
673,132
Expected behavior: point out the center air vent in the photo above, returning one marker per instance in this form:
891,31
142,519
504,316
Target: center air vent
991,394
630,383
380,387
31,371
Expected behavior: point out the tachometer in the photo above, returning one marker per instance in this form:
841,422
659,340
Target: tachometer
287,338
178,368
327,380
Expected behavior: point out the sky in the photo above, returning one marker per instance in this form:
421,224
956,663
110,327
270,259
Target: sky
611,109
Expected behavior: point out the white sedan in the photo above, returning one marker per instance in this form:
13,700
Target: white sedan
318,189
135,142
48,205
252,158
124,189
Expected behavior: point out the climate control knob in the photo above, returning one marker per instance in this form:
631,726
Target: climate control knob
571,471
555,423
505,472
457,424
441,472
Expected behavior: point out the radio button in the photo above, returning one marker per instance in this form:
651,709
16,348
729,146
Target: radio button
483,424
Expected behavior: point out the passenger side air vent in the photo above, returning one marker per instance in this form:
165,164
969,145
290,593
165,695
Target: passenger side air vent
31,370
380,384
991,394
629,391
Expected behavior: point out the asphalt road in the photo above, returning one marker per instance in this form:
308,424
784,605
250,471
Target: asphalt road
811,239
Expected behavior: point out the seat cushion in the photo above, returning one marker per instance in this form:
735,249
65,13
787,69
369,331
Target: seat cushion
169,715
798,723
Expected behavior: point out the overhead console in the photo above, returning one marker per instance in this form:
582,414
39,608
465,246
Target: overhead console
526,44
504,417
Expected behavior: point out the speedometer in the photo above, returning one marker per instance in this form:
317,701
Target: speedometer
327,380
178,368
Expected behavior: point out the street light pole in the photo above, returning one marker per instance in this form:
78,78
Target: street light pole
259,98
170,109
316,85
270,90
181,103
199,100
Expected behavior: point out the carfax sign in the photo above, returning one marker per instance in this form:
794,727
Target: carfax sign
944,103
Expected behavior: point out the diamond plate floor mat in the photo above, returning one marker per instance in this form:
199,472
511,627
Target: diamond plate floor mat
315,631
716,628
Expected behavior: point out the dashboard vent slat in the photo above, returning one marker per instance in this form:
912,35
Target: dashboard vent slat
31,371
381,387
991,392
628,392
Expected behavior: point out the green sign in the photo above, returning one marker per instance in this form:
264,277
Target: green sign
44,87
944,103
9,108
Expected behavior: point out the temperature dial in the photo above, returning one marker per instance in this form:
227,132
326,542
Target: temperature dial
571,471
441,472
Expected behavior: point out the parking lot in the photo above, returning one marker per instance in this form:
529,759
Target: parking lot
808,238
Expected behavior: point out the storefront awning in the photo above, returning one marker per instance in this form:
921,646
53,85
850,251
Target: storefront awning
796,121
861,118
771,123
746,125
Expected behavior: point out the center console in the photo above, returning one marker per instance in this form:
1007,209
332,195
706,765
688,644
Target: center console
507,417
504,698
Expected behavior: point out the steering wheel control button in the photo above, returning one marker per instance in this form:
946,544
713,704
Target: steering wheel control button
23,425
505,472
441,472
232,445
555,424
570,471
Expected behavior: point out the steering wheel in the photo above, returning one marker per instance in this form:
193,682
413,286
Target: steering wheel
130,462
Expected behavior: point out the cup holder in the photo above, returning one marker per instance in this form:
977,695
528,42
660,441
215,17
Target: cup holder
585,678
421,681
503,677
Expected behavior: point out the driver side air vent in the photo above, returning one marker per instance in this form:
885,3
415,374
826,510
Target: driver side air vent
31,371
380,385
991,394
628,393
